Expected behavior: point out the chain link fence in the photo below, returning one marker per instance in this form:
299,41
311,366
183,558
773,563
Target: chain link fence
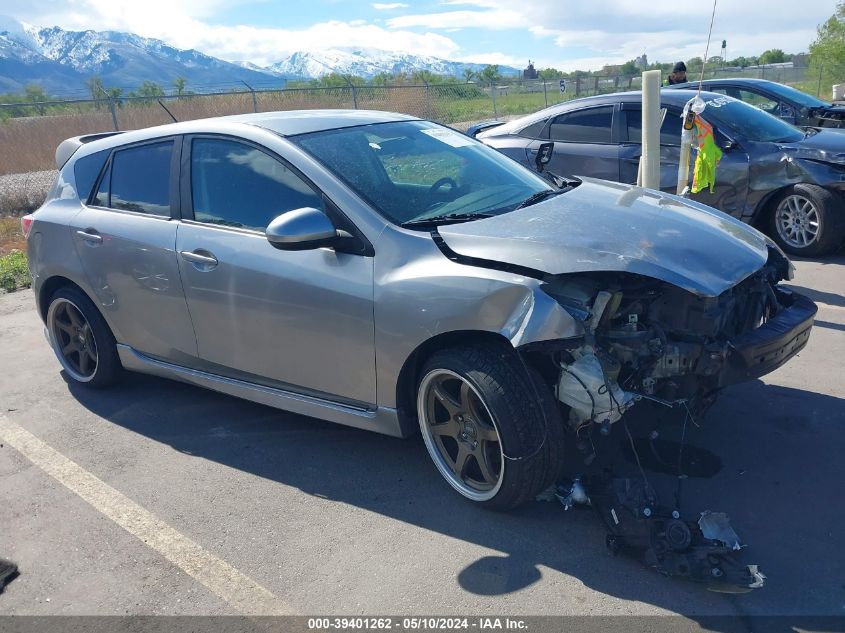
30,132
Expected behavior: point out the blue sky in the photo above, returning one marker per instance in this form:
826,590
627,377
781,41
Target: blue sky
560,33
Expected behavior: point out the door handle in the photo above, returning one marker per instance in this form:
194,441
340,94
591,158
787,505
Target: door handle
91,238
208,261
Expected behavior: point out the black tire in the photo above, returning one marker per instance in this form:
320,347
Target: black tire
107,368
524,413
830,210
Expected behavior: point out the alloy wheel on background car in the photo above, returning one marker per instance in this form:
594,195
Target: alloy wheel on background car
797,221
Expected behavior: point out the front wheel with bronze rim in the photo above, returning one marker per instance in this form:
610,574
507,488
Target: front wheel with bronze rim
81,339
489,424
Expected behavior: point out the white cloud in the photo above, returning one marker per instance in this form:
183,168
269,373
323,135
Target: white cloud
568,34
587,35
188,25
494,19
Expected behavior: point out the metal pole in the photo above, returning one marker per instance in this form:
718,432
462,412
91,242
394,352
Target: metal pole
352,89
254,100
819,88
493,94
113,114
651,129
545,96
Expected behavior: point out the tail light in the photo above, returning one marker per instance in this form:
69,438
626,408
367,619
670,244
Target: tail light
26,225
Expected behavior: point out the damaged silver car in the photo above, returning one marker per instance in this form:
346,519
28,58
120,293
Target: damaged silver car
388,273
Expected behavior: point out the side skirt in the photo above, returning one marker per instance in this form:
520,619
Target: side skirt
381,420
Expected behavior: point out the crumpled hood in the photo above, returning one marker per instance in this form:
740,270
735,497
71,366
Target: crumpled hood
827,145
604,226
829,109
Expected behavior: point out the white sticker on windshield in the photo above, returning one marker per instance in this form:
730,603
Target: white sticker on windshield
448,136
718,102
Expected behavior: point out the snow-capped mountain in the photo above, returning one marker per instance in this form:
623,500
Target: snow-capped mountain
62,62
369,62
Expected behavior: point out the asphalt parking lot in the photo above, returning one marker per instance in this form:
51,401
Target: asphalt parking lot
332,520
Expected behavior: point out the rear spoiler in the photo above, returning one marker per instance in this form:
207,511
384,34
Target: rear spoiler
68,147
473,130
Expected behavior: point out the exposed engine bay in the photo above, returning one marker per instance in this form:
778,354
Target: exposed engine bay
646,338
648,341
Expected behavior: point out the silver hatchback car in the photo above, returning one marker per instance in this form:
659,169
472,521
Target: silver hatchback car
388,273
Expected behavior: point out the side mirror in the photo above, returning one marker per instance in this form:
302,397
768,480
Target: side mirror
727,144
302,229
544,155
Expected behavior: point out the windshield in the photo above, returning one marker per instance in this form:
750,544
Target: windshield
801,98
750,122
415,170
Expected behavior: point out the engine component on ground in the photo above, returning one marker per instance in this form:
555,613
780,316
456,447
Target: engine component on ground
572,494
705,551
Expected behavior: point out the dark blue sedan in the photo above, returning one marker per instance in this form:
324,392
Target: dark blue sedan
786,181
785,102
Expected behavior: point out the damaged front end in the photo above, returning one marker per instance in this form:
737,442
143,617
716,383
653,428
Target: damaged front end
648,340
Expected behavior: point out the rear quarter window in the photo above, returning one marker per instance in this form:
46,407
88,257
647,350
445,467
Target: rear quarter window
533,130
85,172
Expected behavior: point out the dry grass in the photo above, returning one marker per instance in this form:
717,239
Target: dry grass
29,144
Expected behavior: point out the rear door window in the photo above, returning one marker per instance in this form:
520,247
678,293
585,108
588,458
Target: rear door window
766,104
670,130
235,184
138,180
592,125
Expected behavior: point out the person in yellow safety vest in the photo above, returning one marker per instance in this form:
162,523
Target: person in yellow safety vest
709,155
678,75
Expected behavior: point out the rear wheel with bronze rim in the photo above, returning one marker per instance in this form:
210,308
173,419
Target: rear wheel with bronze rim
81,339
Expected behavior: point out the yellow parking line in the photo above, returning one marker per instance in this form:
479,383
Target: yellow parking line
239,590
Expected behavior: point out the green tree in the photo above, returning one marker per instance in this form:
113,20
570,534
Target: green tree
337,80
827,52
629,68
382,79
469,74
742,62
490,74
36,94
426,77
773,56
95,87
550,74
179,84
150,89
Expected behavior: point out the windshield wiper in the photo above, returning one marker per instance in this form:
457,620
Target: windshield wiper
449,218
539,197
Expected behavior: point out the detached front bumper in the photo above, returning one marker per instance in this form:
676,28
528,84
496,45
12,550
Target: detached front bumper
763,350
